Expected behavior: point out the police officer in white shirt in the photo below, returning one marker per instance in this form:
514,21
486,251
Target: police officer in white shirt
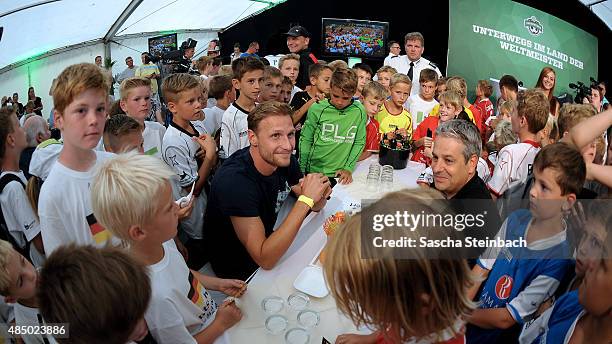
413,63
394,52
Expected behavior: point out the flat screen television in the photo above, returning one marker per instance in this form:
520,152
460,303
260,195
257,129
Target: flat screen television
162,44
351,37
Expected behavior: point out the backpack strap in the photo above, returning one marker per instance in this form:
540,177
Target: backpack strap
4,231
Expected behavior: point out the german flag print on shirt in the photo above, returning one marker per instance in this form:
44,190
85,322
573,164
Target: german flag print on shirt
100,234
200,297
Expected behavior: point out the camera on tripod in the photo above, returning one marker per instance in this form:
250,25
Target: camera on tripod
582,90
178,60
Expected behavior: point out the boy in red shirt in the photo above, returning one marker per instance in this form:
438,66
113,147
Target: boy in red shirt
372,97
450,107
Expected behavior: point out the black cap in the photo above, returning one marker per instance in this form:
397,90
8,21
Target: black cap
297,31
189,43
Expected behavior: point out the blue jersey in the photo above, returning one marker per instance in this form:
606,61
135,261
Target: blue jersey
554,325
520,278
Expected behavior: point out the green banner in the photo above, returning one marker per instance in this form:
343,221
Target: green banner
489,39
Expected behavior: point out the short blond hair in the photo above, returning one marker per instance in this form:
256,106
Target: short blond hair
457,84
386,69
572,114
383,291
125,191
6,250
131,83
508,106
398,78
375,89
203,62
453,98
77,79
337,64
287,58
174,84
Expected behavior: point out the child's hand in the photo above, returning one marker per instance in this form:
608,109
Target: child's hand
345,177
428,151
403,131
228,314
319,97
185,211
208,145
232,287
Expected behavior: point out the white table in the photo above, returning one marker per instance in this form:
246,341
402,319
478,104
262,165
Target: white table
307,244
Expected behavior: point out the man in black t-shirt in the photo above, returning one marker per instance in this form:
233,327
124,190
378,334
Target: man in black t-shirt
248,191
297,42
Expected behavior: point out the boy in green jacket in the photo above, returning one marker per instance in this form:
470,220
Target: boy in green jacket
334,134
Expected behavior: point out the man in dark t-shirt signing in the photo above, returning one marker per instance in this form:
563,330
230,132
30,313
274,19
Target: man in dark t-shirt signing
248,191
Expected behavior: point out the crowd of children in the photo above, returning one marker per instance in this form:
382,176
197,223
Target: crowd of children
108,233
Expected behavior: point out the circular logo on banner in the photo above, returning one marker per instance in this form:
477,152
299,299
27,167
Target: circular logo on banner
503,287
533,26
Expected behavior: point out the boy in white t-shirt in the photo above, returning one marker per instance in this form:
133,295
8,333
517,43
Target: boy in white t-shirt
187,147
101,294
19,218
289,66
421,104
133,198
248,76
18,288
222,90
136,103
514,162
64,207
123,134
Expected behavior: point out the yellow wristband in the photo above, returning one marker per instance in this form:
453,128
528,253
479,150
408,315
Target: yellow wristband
305,199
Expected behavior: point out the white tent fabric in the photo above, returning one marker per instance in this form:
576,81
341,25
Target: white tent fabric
603,9
42,37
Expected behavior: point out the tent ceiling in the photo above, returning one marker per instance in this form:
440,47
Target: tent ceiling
37,30
53,24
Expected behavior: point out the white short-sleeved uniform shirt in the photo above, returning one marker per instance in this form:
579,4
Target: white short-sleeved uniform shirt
21,220
419,109
28,316
180,306
64,208
179,152
402,65
511,174
212,119
234,131
153,135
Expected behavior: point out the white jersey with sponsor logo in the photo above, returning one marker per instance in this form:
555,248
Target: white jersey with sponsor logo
511,175
234,131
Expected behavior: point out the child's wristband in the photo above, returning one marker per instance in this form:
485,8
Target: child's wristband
305,199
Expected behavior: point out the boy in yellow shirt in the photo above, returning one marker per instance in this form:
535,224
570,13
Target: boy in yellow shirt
393,115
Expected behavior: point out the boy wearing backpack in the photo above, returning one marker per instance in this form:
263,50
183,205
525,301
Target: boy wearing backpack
19,222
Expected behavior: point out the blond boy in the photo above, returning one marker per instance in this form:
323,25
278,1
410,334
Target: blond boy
372,98
187,148
289,65
122,134
133,198
64,207
384,75
393,115
136,103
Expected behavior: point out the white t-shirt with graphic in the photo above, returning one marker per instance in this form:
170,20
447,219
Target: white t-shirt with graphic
179,152
419,109
234,131
180,306
153,135
28,316
21,221
64,208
